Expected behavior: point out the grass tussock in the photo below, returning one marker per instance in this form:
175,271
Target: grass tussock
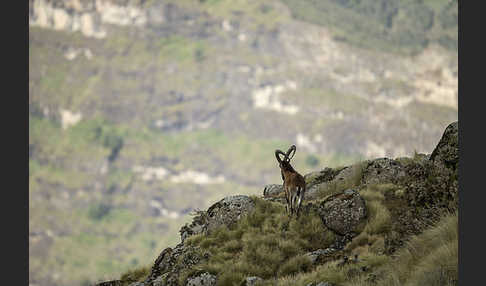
341,183
265,243
378,222
430,258
136,275
332,272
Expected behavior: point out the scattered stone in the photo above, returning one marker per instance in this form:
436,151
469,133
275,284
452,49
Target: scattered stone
321,255
322,283
204,279
252,281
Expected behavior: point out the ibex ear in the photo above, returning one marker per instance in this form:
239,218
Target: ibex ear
277,155
292,148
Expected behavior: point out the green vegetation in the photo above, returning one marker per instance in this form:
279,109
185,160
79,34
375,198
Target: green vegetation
265,243
136,275
92,216
393,26
430,258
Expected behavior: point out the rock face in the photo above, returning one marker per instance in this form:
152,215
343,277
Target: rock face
343,212
447,151
228,211
383,170
225,212
172,261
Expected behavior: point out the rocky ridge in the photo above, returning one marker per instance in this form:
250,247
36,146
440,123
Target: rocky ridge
426,187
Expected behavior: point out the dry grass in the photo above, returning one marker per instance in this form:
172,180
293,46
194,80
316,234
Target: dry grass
265,243
429,258
136,275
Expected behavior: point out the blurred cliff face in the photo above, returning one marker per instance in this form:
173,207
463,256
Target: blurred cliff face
141,111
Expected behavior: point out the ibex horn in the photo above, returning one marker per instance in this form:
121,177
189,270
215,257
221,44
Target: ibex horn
292,148
277,152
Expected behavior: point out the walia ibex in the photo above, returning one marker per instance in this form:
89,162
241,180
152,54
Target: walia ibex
293,182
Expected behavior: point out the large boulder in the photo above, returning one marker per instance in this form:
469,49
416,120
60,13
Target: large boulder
382,170
225,212
343,212
447,150
171,262
274,192
228,211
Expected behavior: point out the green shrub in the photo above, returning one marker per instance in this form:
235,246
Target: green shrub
265,243
98,211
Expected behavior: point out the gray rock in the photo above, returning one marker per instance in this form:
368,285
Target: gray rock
322,283
383,170
343,212
225,212
322,176
272,190
228,211
110,283
321,255
204,279
252,281
329,179
172,261
447,150
159,281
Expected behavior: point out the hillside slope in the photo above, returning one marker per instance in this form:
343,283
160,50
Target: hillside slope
378,222
142,111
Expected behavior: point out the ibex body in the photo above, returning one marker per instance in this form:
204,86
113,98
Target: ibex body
293,182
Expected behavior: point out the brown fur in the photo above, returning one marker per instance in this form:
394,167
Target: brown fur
293,182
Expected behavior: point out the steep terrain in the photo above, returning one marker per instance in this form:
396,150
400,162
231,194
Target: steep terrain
141,112
378,222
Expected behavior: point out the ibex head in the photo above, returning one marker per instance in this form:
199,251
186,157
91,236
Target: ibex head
284,163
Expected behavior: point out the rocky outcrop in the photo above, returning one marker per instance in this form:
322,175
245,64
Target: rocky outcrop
447,151
171,262
225,212
228,211
343,212
430,183
382,170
